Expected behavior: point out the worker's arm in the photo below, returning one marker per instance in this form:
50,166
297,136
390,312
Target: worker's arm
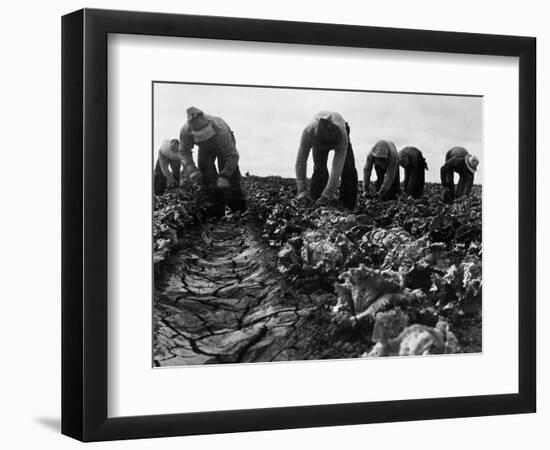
185,151
163,162
337,166
367,170
447,171
228,149
468,184
301,159
391,173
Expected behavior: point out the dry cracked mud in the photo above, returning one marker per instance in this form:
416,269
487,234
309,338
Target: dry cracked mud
221,300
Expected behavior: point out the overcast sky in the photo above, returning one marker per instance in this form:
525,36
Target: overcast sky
268,122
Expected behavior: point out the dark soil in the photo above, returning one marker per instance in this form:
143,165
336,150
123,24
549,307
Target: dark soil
281,282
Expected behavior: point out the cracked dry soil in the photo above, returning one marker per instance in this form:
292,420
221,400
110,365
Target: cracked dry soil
221,300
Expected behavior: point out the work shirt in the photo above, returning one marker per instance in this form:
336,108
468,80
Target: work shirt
223,141
454,162
168,151
392,166
412,157
312,136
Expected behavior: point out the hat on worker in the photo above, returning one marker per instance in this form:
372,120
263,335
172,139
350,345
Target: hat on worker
169,145
471,162
324,115
381,150
199,125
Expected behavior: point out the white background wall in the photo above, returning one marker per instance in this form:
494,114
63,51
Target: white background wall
30,237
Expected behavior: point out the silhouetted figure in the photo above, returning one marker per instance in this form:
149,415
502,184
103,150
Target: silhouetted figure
216,142
460,161
168,166
385,160
327,131
412,160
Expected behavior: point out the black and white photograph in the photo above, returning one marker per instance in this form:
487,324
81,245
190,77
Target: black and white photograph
298,224
275,225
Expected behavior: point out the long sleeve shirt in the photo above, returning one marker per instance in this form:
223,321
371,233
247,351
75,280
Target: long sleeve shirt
312,137
412,157
454,162
392,166
224,142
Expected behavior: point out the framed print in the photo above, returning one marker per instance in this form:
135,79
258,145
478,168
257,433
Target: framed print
274,224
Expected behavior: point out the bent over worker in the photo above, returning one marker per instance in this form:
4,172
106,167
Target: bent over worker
385,159
168,159
460,161
327,131
216,143
412,160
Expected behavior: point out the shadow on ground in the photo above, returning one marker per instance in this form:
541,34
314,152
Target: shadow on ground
52,423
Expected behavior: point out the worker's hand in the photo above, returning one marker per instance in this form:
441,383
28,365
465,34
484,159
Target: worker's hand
171,183
304,198
323,201
196,178
223,183
447,195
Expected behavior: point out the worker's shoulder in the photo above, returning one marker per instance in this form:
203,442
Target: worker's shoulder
310,131
384,146
185,129
393,151
218,122
458,151
410,151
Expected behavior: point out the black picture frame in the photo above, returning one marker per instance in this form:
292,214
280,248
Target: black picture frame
84,224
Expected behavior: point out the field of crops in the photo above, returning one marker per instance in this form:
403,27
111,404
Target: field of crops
284,282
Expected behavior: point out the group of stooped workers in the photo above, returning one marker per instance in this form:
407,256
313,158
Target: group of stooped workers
221,186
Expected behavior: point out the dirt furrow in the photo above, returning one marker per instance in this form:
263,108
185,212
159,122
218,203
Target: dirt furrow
221,300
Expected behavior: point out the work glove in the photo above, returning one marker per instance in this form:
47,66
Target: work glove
223,183
304,198
196,178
